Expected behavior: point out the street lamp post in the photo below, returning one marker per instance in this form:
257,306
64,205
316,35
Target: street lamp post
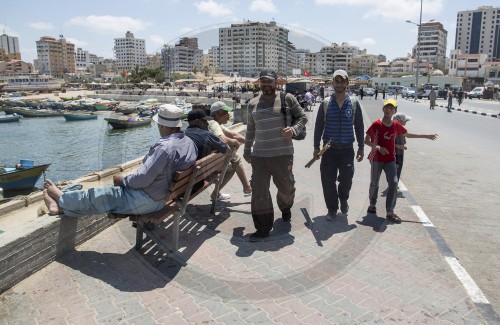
418,49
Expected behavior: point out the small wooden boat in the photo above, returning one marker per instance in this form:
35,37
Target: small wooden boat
125,122
30,112
78,116
9,118
20,178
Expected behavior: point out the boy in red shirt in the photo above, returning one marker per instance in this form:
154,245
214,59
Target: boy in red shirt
381,138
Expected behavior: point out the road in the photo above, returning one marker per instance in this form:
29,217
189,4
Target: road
455,180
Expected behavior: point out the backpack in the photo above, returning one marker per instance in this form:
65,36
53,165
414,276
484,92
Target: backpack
303,132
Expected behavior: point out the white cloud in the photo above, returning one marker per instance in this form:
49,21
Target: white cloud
390,9
77,42
263,5
367,41
157,39
41,25
213,8
113,24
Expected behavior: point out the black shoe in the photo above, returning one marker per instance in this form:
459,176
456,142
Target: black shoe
257,236
286,215
344,207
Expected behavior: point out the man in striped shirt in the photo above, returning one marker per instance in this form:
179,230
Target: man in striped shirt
335,120
269,148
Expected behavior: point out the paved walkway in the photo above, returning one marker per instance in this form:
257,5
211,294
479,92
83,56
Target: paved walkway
356,269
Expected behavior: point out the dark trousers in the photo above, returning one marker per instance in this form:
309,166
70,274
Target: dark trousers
336,165
399,164
280,169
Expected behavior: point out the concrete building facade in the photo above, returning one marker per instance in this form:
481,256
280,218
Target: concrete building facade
248,47
130,52
10,44
433,39
478,31
55,57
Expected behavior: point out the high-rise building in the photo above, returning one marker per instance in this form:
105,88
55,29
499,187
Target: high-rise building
432,44
130,52
248,47
55,57
10,44
478,31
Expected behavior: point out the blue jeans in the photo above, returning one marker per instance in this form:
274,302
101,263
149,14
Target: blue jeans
390,171
105,199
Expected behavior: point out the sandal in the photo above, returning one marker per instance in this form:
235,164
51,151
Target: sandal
394,218
372,209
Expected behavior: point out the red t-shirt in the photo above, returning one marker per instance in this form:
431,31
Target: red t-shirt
384,136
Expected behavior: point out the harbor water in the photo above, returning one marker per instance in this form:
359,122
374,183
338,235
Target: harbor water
73,149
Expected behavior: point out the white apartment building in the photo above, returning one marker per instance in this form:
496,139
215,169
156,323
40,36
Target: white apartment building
467,65
185,56
214,59
55,57
10,44
432,44
130,52
364,64
82,60
248,47
478,31
301,57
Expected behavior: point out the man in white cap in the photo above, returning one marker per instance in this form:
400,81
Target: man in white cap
141,192
220,113
339,119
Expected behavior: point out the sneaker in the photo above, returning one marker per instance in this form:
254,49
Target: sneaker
286,215
247,193
257,236
331,215
223,197
344,207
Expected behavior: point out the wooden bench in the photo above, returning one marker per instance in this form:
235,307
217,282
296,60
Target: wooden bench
186,185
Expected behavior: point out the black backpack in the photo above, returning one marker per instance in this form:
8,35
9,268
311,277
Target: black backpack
302,133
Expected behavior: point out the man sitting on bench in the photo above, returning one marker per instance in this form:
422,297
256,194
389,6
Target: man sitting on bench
141,192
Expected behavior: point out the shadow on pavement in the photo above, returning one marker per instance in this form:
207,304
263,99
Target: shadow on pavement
377,223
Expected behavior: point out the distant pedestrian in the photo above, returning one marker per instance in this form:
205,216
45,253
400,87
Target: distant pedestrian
381,137
376,93
460,96
361,92
450,100
432,98
383,93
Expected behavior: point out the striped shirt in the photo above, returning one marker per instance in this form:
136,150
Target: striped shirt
265,123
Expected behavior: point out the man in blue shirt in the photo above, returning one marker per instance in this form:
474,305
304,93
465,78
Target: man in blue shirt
141,192
335,120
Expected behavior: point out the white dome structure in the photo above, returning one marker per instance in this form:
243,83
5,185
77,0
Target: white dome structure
437,73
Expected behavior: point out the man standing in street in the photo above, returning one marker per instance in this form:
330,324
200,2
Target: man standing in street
269,148
335,120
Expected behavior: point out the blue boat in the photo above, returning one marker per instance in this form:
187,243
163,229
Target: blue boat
9,118
20,178
79,116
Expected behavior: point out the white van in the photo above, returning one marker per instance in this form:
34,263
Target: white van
392,89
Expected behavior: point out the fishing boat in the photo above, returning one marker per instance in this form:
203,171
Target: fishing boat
79,116
127,122
7,118
22,177
31,112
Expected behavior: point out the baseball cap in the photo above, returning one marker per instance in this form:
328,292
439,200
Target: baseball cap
401,117
270,74
392,102
218,106
341,73
197,113
168,115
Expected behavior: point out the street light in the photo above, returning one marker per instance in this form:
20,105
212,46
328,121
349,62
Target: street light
418,49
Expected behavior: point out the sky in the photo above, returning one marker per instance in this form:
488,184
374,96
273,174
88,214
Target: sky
379,26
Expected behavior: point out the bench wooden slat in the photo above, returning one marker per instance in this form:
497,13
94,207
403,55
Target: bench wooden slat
204,162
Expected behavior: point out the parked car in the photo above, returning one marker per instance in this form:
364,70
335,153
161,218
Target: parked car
476,93
408,92
369,91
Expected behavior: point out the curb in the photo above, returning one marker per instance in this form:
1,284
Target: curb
472,111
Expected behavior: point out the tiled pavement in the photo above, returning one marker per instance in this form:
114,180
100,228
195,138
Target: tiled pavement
356,269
